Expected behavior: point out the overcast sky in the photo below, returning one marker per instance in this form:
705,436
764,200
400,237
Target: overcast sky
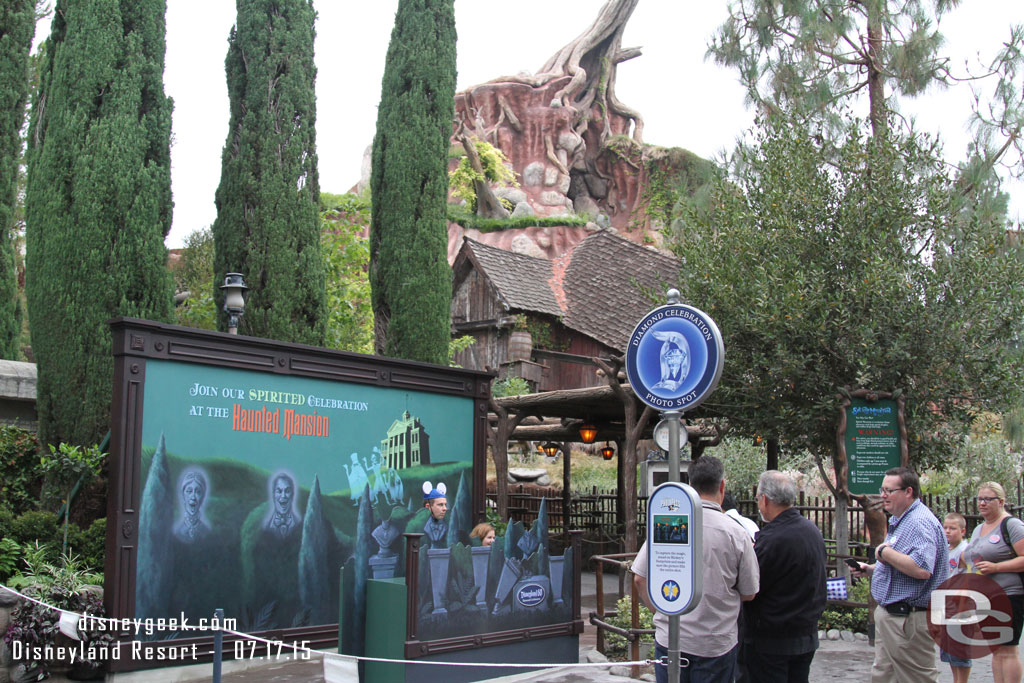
685,100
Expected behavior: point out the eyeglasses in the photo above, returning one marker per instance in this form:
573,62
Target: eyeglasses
888,492
988,499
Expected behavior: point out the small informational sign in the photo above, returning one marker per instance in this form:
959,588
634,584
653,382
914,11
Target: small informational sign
873,442
661,435
674,357
674,566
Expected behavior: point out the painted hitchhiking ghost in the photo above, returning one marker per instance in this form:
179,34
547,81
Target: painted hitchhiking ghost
377,485
192,525
283,519
674,358
394,492
356,478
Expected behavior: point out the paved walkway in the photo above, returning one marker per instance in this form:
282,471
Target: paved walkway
848,662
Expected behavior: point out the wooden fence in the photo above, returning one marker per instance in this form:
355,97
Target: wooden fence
596,515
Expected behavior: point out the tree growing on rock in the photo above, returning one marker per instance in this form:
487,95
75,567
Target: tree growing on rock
268,219
98,203
17,27
409,274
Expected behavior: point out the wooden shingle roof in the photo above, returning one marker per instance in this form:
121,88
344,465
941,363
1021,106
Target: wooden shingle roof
603,286
521,282
601,289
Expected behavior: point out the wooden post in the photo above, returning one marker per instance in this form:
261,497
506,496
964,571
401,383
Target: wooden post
498,440
566,490
634,424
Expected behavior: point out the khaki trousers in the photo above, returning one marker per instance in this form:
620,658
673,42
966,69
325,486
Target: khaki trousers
904,652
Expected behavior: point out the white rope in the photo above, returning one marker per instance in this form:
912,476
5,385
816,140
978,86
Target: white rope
305,651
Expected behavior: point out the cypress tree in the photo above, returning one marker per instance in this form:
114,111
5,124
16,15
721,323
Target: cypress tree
17,26
268,218
409,275
98,203
314,564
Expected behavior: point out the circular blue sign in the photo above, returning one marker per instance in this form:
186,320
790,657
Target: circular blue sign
670,590
674,358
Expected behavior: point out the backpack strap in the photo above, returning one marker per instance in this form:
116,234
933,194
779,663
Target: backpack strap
1004,531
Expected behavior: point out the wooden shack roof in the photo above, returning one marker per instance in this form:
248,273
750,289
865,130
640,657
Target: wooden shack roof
600,292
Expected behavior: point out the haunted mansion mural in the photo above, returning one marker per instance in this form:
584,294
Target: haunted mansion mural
250,489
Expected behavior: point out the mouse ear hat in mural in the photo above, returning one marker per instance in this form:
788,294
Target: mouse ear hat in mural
431,493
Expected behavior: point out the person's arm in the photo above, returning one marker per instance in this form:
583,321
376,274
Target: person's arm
901,562
640,583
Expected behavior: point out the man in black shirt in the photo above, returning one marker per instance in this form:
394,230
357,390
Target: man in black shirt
782,621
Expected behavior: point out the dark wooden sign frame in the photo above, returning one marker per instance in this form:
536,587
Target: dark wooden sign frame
135,342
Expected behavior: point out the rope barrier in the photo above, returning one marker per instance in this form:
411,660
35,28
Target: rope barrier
308,652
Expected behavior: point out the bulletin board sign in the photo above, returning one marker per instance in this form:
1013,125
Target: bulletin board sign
871,438
246,472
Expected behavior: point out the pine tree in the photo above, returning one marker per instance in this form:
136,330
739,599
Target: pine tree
409,273
808,55
268,218
98,203
17,27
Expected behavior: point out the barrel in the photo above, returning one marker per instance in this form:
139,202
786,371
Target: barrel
520,345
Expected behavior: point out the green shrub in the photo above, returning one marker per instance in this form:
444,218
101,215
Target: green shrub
10,553
90,543
20,477
62,585
35,525
510,386
616,646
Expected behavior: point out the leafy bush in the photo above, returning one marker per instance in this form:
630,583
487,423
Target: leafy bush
462,181
43,528
10,553
745,461
34,525
616,646
90,543
346,253
976,459
20,478
65,586
495,520
194,274
510,386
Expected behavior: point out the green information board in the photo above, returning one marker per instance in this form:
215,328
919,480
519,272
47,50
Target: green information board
872,441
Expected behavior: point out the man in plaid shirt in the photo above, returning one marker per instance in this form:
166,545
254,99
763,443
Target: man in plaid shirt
909,565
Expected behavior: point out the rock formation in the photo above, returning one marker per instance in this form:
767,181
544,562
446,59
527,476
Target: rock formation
575,148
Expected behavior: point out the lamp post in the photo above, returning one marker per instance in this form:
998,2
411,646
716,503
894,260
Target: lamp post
234,302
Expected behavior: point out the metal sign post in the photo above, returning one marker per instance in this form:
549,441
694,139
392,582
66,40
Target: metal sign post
674,360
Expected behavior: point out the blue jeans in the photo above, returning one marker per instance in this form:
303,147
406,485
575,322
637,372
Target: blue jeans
721,669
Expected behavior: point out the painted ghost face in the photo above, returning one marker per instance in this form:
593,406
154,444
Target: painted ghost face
192,494
283,492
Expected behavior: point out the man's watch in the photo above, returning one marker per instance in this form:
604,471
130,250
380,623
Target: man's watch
878,554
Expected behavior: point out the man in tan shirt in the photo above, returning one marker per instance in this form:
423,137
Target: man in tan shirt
707,635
